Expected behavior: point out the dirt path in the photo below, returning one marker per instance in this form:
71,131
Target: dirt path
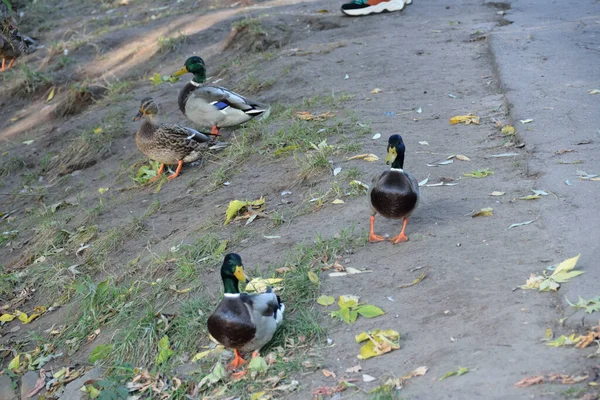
430,62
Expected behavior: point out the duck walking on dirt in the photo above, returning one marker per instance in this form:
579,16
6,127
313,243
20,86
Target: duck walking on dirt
12,43
395,194
213,106
243,321
168,143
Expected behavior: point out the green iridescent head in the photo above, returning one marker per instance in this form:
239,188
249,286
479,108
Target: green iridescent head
232,272
193,65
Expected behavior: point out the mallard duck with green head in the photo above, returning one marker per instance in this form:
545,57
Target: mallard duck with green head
12,43
213,106
168,144
395,194
243,322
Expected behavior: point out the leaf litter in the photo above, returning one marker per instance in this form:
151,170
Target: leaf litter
467,119
461,371
563,273
237,206
378,342
484,212
414,282
350,309
480,173
551,378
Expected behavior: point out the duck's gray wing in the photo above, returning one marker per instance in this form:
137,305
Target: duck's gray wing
223,98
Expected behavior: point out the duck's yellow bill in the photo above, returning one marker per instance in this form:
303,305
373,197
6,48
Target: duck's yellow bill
182,71
391,156
239,273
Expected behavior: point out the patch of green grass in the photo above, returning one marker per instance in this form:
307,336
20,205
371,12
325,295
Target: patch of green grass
8,281
299,292
14,163
90,146
352,173
168,45
575,392
116,91
96,304
332,100
79,97
193,259
191,317
252,25
30,82
252,85
240,148
114,239
314,163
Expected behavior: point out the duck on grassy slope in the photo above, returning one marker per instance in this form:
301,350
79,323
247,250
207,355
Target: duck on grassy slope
243,321
12,43
213,106
168,143
395,194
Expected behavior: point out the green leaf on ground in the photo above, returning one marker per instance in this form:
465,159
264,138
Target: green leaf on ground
257,366
564,340
218,373
164,350
590,305
326,300
369,311
480,173
459,372
100,352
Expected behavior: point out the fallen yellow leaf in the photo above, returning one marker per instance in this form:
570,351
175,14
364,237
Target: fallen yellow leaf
376,90
235,206
259,285
467,119
366,157
508,130
51,94
484,212
378,342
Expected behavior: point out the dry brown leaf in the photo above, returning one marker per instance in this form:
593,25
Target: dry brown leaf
417,372
566,379
585,341
307,116
328,373
563,151
462,157
530,381
354,369
283,270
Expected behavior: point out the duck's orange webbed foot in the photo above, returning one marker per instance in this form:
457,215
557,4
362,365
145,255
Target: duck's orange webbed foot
158,173
237,362
401,237
177,171
372,236
215,131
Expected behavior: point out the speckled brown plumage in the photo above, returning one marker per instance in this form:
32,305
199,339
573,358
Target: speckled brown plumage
12,43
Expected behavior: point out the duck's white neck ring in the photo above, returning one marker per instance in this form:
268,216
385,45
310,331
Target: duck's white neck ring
231,294
195,83
397,169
